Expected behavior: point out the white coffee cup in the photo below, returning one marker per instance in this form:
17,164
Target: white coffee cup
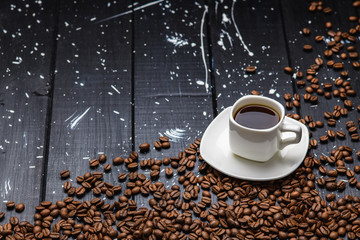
260,144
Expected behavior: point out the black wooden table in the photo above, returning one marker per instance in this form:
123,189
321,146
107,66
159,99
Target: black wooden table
82,78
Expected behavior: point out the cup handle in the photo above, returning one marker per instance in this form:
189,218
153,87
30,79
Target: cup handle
296,129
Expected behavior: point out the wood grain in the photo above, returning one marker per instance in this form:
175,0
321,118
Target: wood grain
91,112
171,96
26,51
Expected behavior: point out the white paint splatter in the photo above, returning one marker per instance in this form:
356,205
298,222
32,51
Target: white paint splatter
237,30
177,40
202,48
130,11
116,90
174,134
74,122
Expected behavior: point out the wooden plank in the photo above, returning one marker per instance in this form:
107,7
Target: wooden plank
172,95
26,51
92,92
248,33
315,21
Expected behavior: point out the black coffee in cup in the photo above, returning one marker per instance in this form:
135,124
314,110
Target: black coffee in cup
257,116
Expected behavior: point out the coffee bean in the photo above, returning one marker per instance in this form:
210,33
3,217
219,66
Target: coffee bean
319,61
2,215
250,69
107,167
337,66
157,145
313,143
306,31
165,145
19,207
144,147
169,172
299,74
331,122
288,70
155,173
307,47
133,166
94,163
328,24
328,53
289,105
340,134
331,186
287,97
323,138
10,204
319,38
118,161
102,158
356,64
65,174
341,185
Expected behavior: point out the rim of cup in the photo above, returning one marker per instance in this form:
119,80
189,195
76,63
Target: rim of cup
279,109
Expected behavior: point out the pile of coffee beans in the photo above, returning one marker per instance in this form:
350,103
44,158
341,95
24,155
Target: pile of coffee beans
206,206
209,206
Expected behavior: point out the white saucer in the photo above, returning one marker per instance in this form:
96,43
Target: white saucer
215,150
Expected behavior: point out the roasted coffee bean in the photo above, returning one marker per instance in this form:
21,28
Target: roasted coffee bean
323,138
134,156
331,186
319,61
102,158
340,134
155,173
157,145
319,38
67,186
65,174
307,47
132,166
19,207
107,167
94,163
10,204
289,105
348,103
314,99
163,139
355,137
328,25
144,147
288,70
287,97
341,185
299,74
300,83
169,172
313,143
118,161
250,69
254,92
165,145
356,64
306,31
337,66
331,122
